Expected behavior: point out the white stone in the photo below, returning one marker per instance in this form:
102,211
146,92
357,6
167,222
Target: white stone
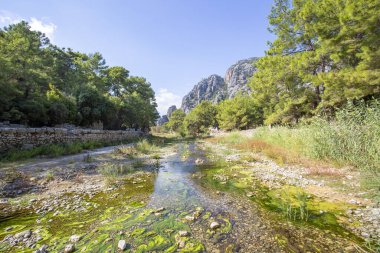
75,238
214,225
183,233
122,244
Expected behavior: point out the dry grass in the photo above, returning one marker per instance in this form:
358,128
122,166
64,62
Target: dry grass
325,172
282,155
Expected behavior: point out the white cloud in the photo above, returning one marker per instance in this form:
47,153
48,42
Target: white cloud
48,28
7,18
165,99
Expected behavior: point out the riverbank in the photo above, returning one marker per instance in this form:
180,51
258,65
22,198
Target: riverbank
340,188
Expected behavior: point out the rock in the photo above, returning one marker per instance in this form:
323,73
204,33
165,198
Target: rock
376,211
160,209
8,229
42,249
181,244
352,201
24,234
122,244
183,233
215,89
171,110
350,249
162,120
237,75
75,238
189,218
211,88
250,194
199,161
69,248
364,234
214,225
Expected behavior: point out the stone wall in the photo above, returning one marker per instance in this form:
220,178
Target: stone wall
31,137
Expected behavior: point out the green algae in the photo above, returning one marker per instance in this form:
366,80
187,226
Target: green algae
305,209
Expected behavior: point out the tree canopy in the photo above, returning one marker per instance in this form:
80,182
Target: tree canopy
326,52
42,84
200,119
240,112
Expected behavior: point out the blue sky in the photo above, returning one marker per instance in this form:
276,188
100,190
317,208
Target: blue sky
173,43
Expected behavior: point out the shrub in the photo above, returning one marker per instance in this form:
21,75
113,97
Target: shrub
145,147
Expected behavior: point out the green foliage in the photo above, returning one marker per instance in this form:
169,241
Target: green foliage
62,108
145,147
325,53
41,84
115,169
176,121
239,112
200,119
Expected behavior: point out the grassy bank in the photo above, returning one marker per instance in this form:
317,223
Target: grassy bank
351,139
54,150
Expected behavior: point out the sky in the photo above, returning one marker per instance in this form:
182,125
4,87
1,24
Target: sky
172,43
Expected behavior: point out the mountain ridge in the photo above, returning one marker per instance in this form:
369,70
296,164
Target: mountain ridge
214,88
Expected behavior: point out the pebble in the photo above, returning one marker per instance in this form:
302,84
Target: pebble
183,233
364,234
24,234
199,161
122,244
250,194
42,249
214,225
189,218
352,201
75,238
69,248
181,244
8,229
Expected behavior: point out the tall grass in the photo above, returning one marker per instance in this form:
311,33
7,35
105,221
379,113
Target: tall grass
351,138
115,169
145,147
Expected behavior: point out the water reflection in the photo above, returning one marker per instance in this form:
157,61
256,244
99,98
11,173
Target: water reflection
173,187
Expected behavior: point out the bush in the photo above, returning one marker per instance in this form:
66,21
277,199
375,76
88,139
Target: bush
145,147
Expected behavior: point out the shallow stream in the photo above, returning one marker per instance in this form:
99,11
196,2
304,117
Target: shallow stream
180,207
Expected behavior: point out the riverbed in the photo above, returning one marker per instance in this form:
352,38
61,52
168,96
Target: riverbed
181,199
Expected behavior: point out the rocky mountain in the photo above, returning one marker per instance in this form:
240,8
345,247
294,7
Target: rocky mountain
171,110
165,118
215,88
211,88
162,120
237,76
